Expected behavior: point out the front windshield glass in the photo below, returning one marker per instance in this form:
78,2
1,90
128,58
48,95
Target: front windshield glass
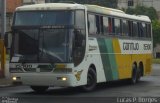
47,42
49,45
36,18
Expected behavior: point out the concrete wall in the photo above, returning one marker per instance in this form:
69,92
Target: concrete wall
157,51
33,1
10,8
148,3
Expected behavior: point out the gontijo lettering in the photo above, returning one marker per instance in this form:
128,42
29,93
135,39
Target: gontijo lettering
130,46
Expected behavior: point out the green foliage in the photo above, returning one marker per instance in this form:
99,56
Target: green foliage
156,32
142,10
156,61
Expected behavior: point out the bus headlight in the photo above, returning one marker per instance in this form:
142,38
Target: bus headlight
14,78
62,78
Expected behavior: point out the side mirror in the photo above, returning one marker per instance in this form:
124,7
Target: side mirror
8,40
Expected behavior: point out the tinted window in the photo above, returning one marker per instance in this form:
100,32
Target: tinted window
148,34
135,29
117,26
34,18
98,24
110,26
80,19
91,24
130,28
105,25
142,29
124,27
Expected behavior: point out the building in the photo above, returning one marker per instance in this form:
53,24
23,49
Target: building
33,1
12,4
157,51
133,3
10,8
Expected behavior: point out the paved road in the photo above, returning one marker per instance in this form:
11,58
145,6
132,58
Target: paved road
148,87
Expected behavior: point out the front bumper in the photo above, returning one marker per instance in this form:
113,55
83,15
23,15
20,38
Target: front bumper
45,79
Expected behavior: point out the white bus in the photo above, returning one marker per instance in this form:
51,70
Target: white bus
69,45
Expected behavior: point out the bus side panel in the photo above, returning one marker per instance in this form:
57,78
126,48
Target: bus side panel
148,65
146,59
108,58
123,61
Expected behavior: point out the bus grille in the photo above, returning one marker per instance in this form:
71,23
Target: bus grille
30,69
40,69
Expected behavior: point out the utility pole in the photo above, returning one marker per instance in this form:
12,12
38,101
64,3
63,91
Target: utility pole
3,30
3,17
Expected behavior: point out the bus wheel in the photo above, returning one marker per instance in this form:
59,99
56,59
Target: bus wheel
135,75
138,74
39,89
91,80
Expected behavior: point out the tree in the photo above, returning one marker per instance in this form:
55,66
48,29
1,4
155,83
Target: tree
156,32
142,10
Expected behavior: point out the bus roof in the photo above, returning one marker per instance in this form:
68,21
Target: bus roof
50,6
90,8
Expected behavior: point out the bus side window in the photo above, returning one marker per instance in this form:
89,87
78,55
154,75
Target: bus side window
124,28
135,29
92,24
144,27
130,28
105,25
113,26
110,25
117,25
148,31
97,24
101,25
140,30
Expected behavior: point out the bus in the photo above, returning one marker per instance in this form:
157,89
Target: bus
70,45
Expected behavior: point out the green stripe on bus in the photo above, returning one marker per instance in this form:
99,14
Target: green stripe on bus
112,59
108,59
105,59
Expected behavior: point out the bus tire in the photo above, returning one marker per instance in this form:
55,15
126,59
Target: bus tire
91,80
138,74
134,77
39,89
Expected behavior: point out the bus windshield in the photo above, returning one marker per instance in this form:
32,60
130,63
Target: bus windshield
39,18
42,36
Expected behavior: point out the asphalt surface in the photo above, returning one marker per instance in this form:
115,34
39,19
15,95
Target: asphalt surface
146,91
